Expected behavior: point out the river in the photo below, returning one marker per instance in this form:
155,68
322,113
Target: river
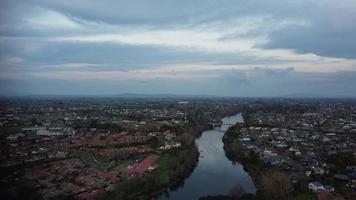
214,174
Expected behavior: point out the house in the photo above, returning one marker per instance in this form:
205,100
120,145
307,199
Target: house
352,175
273,160
15,137
308,173
319,170
95,194
47,133
31,136
307,159
351,167
281,145
293,178
75,189
169,135
88,182
323,195
341,177
315,186
329,188
169,145
245,139
268,153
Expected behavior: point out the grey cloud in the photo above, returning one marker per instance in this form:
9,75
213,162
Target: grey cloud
331,32
163,12
261,83
126,12
319,39
234,83
271,71
116,56
236,77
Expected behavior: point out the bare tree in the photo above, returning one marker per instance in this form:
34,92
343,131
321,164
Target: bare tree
237,191
275,185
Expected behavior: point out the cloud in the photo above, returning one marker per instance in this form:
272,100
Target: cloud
239,82
261,82
174,12
331,32
229,46
274,71
47,19
236,78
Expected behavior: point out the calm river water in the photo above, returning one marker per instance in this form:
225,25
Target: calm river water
215,174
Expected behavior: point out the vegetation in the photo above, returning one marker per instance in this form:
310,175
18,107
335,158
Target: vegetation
174,166
101,159
225,197
164,169
119,167
275,185
138,187
270,184
302,196
235,152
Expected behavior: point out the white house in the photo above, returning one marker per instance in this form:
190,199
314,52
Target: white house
315,186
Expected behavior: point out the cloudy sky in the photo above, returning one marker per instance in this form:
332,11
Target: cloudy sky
214,47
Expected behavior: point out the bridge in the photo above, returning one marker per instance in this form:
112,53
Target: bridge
215,124
218,124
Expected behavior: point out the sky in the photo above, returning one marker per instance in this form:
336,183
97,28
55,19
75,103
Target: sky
245,48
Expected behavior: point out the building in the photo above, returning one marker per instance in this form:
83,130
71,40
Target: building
315,186
322,195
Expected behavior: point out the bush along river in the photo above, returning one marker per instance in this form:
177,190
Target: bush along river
215,174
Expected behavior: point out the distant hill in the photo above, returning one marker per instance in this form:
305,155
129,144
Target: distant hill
176,96
309,95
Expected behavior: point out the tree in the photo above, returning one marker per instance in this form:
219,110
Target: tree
186,139
237,191
275,185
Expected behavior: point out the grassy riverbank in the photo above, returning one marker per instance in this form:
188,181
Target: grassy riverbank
174,167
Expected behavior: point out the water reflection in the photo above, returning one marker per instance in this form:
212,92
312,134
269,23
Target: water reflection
215,174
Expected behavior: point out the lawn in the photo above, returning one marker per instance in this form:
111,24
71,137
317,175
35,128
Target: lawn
119,167
101,159
163,170
10,130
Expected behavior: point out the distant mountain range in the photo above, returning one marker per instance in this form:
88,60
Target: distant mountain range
137,95
309,95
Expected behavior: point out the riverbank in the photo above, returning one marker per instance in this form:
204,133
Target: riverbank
196,130
237,153
271,183
176,165
215,174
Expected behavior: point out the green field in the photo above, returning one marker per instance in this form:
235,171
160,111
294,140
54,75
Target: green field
163,170
101,159
119,167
